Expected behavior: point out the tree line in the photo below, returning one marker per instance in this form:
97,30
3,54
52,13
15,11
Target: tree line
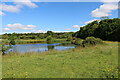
38,35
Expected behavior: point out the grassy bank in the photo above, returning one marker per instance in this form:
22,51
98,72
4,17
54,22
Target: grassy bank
30,41
91,62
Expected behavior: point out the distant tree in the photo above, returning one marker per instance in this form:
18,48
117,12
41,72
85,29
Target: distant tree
49,39
49,33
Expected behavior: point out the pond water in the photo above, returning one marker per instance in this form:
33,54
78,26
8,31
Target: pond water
24,48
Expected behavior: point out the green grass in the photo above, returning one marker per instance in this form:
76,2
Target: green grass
22,41
100,61
30,41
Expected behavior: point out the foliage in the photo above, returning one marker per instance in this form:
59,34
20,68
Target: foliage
77,41
49,39
49,33
86,42
34,36
4,47
69,38
92,41
106,29
7,45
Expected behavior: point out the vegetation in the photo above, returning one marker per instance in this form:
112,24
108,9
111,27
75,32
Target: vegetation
49,39
92,41
86,42
5,47
99,61
27,38
38,36
77,41
106,29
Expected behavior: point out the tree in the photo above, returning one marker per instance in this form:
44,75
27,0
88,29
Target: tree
106,29
6,45
49,39
49,33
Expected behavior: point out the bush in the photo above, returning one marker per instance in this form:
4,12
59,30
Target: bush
92,41
73,41
69,38
88,41
77,41
49,39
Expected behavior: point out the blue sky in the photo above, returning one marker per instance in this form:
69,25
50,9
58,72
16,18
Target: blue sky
53,16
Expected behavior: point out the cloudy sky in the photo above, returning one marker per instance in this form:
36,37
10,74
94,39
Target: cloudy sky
34,16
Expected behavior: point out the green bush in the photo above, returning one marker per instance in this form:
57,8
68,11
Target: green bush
77,41
73,41
92,41
88,41
49,39
69,38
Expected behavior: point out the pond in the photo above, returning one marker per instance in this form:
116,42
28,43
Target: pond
41,47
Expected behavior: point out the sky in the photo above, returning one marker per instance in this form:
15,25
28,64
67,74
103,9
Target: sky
26,17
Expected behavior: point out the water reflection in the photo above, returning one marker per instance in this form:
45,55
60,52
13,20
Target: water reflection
23,48
50,47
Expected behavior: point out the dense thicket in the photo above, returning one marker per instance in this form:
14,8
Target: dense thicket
107,29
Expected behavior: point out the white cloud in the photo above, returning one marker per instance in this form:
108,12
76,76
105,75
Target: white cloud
39,31
18,4
6,29
106,1
61,31
75,26
68,29
25,3
17,26
90,21
1,13
104,10
66,0
82,25
10,8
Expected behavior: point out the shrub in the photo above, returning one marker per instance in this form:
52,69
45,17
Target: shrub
49,39
92,41
78,41
87,41
9,42
73,41
69,38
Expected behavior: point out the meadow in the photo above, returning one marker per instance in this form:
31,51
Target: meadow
99,61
